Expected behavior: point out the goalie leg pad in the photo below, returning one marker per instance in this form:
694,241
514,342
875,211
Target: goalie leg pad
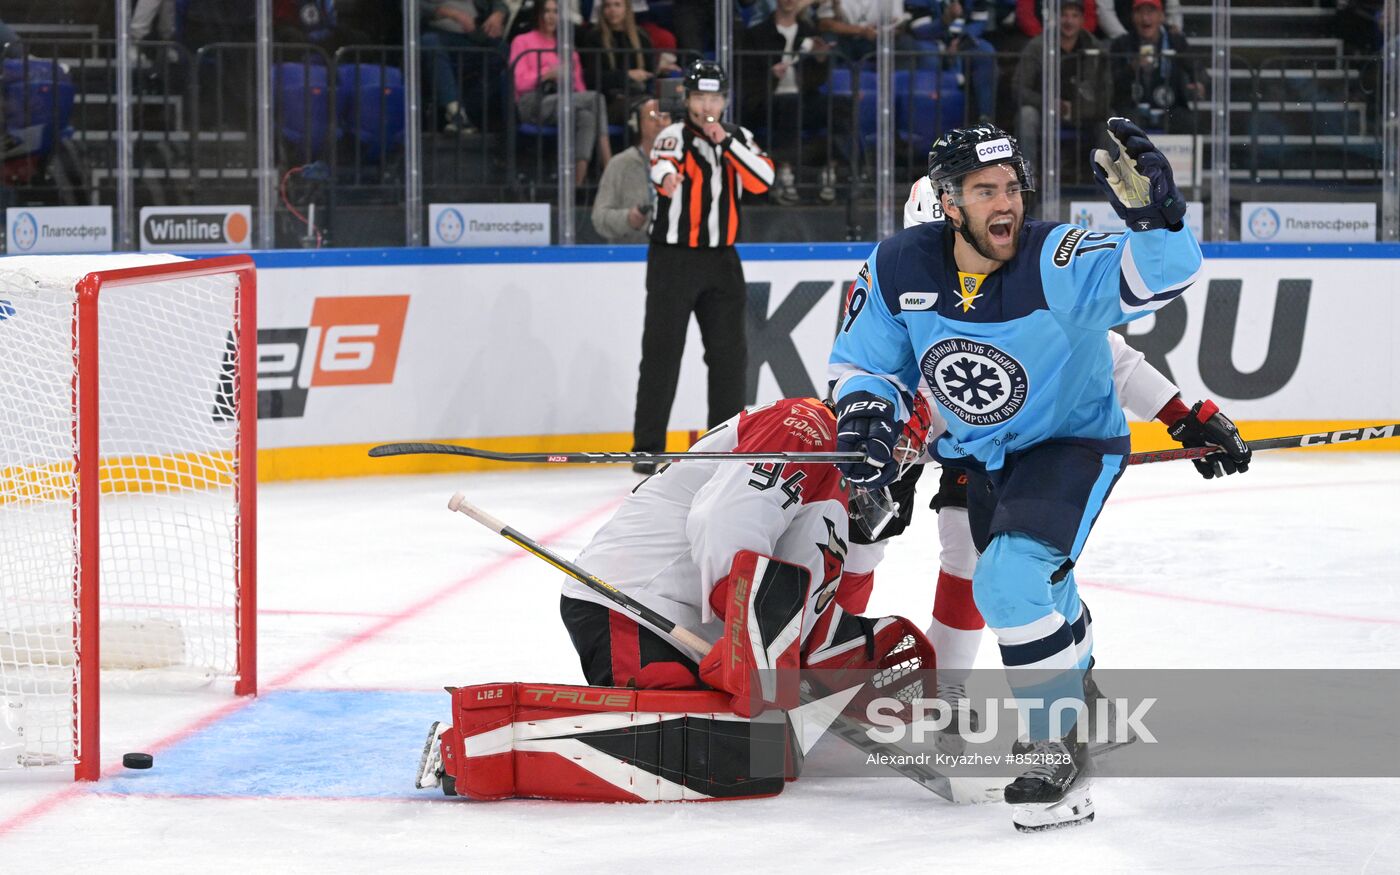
607,744
763,601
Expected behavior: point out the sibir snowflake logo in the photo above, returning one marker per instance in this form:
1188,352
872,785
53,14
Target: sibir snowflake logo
978,383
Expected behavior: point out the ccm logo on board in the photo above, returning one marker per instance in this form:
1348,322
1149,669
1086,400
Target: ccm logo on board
351,341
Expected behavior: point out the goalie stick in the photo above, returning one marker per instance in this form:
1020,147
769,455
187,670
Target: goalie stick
842,726
1297,441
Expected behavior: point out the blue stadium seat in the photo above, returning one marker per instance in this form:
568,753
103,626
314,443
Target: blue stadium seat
303,98
927,104
369,98
38,102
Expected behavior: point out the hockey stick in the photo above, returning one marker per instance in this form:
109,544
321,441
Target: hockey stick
1297,441
583,458
844,727
459,503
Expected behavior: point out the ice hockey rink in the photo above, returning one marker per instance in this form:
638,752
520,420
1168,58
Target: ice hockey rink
374,597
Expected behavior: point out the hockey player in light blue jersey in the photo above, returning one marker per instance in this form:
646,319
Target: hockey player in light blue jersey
1003,320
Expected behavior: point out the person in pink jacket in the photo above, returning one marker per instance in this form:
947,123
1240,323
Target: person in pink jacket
534,62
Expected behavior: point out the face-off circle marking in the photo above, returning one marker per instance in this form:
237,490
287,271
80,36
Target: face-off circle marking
976,382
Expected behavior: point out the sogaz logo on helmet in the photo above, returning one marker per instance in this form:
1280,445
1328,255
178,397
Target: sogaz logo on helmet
993,150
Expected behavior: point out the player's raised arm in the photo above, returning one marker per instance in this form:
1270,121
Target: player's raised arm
1105,279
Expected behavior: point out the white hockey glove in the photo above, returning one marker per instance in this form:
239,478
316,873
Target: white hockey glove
1138,180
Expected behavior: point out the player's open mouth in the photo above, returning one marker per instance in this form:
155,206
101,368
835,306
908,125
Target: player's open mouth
1000,230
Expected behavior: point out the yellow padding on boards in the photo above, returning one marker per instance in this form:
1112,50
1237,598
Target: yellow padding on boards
351,460
119,476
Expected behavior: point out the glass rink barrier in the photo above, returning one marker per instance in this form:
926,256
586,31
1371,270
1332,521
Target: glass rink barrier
317,124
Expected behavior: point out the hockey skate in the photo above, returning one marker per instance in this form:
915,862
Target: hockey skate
430,763
1101,719
964,719
1054,791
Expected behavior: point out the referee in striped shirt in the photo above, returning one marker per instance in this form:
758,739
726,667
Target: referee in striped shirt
701,168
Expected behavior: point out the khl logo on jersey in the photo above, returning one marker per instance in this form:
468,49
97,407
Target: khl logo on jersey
975,381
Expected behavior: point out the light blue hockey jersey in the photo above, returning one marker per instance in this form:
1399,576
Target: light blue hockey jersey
1023,357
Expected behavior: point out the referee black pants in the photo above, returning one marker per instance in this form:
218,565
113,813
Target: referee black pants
709,282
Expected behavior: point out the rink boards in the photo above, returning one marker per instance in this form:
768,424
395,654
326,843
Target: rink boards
537,349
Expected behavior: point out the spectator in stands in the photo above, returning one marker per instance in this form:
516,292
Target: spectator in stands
957,32
758,11
852,24
694,24
1084,84
622,210
620,61
145,16
312,21
461,42
1154,78
780,93
1116,17
1031,20
661,39
534,60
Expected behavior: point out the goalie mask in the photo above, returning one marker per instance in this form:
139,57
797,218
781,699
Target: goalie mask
872,510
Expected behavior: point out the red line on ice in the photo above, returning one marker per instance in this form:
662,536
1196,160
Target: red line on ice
54,800
1244,606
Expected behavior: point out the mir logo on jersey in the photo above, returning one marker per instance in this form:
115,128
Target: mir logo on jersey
351,341
975,381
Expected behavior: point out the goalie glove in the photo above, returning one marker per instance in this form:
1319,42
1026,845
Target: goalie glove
890,654
1204,425
1138,180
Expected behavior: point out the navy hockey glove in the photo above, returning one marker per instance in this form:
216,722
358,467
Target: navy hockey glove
867,423
1138,180
1205,425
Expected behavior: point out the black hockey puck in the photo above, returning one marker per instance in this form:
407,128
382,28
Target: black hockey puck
138,760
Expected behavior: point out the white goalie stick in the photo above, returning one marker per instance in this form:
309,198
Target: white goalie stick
1297,441
849,730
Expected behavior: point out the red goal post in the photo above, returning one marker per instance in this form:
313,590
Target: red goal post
128,470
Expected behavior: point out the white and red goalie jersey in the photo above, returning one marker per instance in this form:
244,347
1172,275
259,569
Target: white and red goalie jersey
677,535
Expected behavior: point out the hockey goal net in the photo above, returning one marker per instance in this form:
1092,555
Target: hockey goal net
128,411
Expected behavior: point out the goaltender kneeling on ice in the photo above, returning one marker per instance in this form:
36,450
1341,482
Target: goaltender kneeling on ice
758,559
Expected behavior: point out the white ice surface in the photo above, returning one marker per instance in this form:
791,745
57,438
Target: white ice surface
374,584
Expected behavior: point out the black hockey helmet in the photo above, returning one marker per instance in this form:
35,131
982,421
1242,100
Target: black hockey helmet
707,77
963,150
